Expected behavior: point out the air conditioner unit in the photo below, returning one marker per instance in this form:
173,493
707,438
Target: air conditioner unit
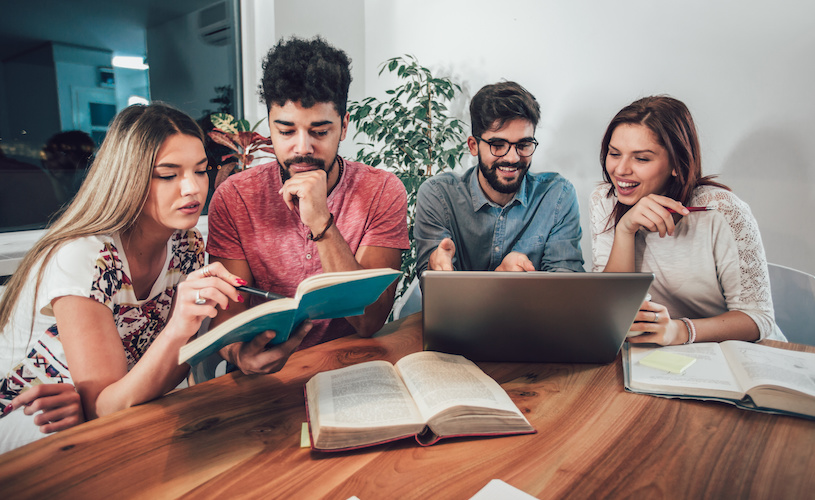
215,25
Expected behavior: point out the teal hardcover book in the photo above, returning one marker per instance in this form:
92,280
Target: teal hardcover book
323,296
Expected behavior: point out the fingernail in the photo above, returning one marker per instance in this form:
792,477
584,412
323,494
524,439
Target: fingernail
227,307
241,281
240,298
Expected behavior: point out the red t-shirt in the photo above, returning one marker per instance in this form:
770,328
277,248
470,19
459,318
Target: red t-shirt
248,220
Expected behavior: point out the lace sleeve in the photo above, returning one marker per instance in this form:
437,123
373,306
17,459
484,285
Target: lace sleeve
748,290
602,232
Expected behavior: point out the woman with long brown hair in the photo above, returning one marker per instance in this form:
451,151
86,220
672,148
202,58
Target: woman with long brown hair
657,213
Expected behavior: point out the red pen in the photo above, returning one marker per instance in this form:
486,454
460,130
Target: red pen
693,209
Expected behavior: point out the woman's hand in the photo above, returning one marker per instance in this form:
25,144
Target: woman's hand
651,213
199,295
657,327
60,405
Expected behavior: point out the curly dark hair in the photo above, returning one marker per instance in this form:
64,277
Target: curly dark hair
306,71
502,102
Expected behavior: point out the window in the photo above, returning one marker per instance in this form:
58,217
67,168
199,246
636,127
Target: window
63,77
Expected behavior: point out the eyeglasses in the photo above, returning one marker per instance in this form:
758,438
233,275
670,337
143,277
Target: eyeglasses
500,147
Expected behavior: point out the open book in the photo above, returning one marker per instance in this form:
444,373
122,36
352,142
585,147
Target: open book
429,395
750,376
322,296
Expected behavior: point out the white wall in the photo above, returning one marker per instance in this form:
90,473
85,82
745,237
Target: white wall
185,70
744,68
265,22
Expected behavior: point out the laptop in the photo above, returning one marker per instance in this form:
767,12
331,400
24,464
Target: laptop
533,317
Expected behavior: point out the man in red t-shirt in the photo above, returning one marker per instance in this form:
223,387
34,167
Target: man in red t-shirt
310,211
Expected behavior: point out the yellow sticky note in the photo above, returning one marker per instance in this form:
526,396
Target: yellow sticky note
668,361
305,442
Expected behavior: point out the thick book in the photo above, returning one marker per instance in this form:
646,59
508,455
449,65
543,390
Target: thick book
427,395
322,296
750,376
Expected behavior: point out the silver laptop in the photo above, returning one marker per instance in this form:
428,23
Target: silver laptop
530,317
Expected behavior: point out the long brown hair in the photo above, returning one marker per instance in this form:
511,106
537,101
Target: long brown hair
672,124
113,194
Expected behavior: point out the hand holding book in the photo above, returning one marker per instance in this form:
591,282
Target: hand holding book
323,296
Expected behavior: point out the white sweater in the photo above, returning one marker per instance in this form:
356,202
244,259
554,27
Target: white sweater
713,263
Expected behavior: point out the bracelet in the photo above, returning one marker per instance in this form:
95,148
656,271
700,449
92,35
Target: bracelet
328,225
691,330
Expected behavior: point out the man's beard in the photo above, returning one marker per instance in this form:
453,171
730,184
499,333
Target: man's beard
491,175
307,160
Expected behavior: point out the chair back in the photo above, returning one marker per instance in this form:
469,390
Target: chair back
794,302
410,302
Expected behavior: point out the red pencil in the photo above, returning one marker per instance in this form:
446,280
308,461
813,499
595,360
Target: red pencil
693,209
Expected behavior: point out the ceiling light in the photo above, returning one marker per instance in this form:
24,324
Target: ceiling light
129,62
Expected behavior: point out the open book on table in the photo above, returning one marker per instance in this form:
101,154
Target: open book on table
322,296
429,395
750,376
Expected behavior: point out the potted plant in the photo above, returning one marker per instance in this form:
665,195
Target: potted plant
241,139
411,134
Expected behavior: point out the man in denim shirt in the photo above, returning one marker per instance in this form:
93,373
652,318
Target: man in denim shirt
498,216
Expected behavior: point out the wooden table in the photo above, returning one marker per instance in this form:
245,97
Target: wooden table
239,436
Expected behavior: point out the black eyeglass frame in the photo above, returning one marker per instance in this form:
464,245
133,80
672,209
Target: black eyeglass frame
511,144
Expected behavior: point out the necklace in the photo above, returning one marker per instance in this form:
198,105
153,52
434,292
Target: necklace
339,176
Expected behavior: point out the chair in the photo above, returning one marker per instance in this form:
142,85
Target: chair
410,302
793,294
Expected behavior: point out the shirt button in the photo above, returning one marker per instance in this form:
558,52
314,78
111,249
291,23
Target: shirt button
308,256
497,249
501,218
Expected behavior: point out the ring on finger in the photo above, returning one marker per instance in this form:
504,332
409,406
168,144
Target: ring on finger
205,272
198,300
656,317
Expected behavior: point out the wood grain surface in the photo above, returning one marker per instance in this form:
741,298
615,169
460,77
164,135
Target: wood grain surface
238,437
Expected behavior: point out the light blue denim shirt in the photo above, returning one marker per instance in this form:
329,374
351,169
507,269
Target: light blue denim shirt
542,221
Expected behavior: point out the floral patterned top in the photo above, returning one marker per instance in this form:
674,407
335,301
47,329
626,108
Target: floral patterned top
94,267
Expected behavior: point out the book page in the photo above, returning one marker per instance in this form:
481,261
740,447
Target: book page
709,376
366,395
327,279
757,365
438,381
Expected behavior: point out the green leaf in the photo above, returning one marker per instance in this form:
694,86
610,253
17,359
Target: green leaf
258,124
396,135
225,122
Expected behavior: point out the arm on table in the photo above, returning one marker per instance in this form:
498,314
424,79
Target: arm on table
60,404
335,255
731,325
97,359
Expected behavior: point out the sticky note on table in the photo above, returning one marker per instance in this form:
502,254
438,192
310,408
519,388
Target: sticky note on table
668,361
305,442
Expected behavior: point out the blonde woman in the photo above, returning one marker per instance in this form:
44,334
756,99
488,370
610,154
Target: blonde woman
104,291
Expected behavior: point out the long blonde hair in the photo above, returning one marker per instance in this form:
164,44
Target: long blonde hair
113,194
